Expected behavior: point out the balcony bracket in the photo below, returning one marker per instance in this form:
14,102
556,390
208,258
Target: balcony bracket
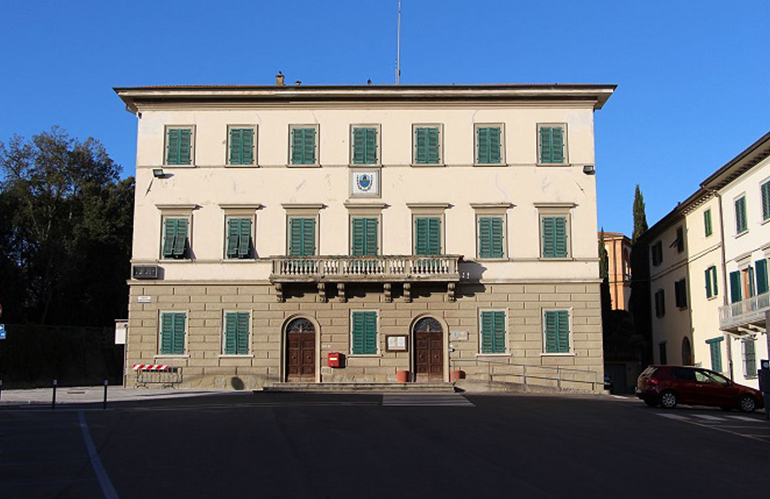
341,292
408,292
279,293
322,292
388,296
450,291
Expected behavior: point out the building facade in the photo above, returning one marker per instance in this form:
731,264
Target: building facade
618,247
708,261
409,229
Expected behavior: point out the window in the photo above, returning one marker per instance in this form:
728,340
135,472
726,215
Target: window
239,239
765,190
707,228
715,345
175,238
364,237
427,145
364,333
749,357
711,282
304,145
236,333
173,326
241,145
741,225
662,352
680,293
489,144
365,145
660,303
553,234
679,239
493,332
491,235
302,236
557,329
761,275
427,236
736,283
657,253
179,146
551,148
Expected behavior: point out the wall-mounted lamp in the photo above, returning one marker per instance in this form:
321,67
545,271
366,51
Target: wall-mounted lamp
158,173
589,170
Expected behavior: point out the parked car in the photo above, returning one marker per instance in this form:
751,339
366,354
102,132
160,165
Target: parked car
668,386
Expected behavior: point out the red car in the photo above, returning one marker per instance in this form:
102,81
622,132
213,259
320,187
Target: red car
671,385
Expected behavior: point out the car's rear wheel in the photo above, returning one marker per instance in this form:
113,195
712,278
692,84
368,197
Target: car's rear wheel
668,400
651,401
747,403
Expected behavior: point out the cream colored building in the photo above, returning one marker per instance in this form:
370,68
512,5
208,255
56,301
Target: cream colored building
409,228
722,261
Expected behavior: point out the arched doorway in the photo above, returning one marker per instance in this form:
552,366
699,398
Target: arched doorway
300,351
686,352
428,350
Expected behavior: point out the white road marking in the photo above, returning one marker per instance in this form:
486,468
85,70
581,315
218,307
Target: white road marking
674,416
744,418
708,417
96,463
426,400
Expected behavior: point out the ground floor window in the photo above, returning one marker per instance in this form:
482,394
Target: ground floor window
364,333
173,326
493,331
749,358
715,345
557,331
236,340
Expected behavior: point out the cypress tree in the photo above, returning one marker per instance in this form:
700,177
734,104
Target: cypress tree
640,217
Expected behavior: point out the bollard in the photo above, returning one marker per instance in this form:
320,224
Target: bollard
104,404
53,400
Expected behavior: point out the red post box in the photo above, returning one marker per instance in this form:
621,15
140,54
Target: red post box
336,359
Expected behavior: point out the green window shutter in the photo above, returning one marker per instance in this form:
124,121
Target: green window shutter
236,333
238,238
302,236
715,346
488,145
761,275
551,144
303,145
365,146
172,333
364,240
750,357
180,239
557,331
735,287
554,236
426,145
178,142
493,332
752,288
711,282
241,146
707,222
364,333
174,237
490,237
765,201
427,232
740,215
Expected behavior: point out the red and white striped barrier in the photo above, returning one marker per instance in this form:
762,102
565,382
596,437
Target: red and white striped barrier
151,367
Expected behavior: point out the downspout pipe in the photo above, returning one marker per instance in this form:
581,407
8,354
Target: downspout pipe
728,339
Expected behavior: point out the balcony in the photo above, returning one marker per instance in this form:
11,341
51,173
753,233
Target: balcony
365,269
749,312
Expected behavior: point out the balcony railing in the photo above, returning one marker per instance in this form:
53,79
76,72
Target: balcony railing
391,268
749,311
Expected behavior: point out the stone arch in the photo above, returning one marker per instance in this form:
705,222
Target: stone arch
292,368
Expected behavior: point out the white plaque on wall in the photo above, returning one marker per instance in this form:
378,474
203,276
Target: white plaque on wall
365,183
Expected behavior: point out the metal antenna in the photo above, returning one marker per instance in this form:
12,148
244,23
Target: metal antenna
398,50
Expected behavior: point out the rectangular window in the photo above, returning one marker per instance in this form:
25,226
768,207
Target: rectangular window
557,331
491,243
488,145
239,243
749,358
304,143
761,275
427,145
715,345
736,293
765,190
657,253
236,334
660,303
364,238
241,146
427,236
712,288
364,333
493,332
172,332
679,239
707,228
680,293
551,147
302,236
365,145
179,146
175,242
554,236
741,224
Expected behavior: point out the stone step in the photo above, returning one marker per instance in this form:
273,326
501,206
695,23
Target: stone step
360,387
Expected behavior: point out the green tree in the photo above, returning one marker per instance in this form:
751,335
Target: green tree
640,217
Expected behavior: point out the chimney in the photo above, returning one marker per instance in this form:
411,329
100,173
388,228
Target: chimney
279,79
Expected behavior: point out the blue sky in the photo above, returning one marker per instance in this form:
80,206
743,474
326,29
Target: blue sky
693,77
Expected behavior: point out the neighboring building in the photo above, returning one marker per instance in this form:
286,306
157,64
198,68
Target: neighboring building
405,227
708,268
618,249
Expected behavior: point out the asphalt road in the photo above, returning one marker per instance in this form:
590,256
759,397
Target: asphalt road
392,446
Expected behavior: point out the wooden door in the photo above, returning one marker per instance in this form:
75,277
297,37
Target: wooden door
300,351
429,350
